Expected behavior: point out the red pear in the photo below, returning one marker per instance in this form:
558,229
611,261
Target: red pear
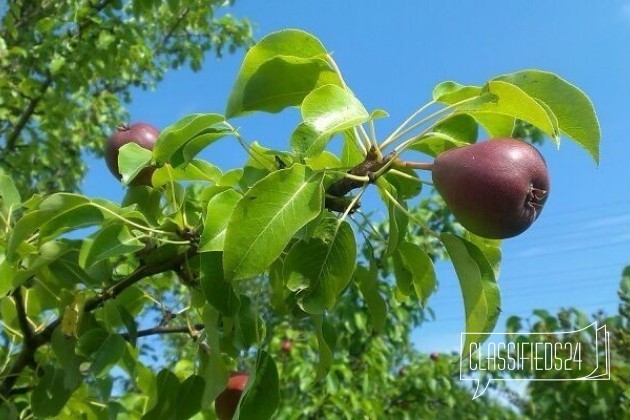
144,135
227,401
495,188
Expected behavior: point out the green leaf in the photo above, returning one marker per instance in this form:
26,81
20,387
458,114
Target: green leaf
491,248
326,110
6,275
324,341
452,92
213,369
266,218
297,53
455,131
420,266
351,155
218,213
196,170
262,162
9,195
408,186
368,284
109,353
131,160
572,108
508,99
320,269
201,141
167,401
497,125
404,279
250,328
47,254
262,395
91,341
218,292
63,347
25,226
482,300
67,212
111,241
50,394
184,131
189,394
285,81
324,160
398,220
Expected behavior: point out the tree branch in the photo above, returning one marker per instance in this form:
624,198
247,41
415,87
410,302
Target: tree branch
26,355
169,34
48,80
26,115
162,330
25,327
335,193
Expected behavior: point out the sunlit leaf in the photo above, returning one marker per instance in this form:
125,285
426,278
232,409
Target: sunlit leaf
111,241
508,99
455,131
368,284
326,110
131,160
184,131
572,108
320,269
482,301
267,216
262,394
421,268
212,367
296,53
452,92
196,170
218,213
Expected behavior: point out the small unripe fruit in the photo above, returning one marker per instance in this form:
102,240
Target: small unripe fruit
286,346
144,135
495,188
227,401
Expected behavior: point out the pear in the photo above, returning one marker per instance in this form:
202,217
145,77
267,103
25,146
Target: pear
495,188
227,401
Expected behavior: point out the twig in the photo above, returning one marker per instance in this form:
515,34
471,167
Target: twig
26,356
162,330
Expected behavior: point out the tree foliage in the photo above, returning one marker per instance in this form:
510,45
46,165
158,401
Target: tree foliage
578,399
226,264
68,68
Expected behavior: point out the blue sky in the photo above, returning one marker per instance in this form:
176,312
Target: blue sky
392,57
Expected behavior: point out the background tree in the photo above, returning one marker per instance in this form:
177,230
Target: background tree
68,68
576,399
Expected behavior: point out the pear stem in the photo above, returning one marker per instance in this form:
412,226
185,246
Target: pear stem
419,222
425,166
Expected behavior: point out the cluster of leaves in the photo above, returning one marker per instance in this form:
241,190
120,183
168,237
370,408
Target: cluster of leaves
273,238
67,68
582,399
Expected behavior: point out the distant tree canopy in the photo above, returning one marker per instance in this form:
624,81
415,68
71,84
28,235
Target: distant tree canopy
67,68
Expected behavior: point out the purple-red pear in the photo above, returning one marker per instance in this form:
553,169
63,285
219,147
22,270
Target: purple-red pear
227,401
495,188
144,135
